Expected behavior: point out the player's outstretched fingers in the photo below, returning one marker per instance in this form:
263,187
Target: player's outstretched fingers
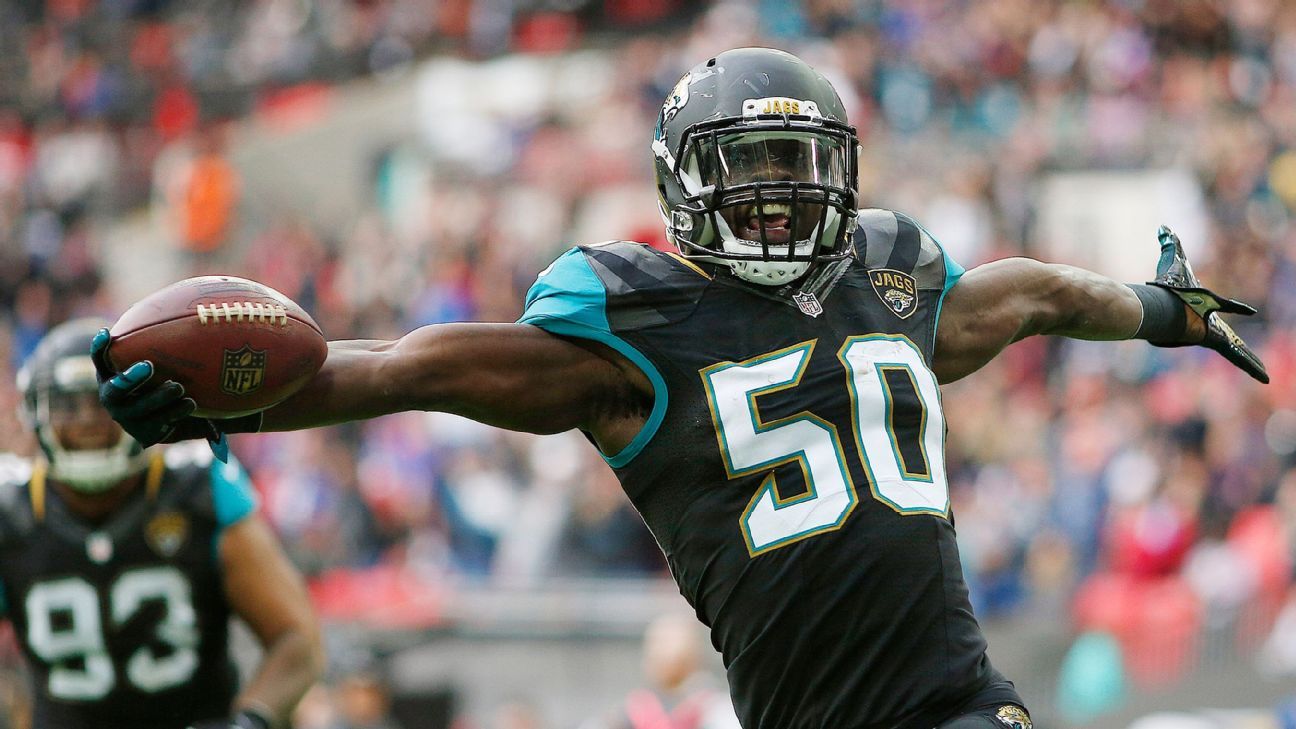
1221,338
153,404
181,408
99,355
132,379
1233,306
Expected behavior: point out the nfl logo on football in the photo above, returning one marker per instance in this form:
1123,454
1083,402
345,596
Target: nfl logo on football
243,370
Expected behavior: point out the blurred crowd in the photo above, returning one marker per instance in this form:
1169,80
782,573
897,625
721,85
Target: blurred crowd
1085,477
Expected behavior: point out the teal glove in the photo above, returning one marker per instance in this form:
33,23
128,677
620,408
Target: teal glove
1175,274
154,413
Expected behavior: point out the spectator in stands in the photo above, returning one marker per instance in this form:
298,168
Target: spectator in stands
516,713
205,202
363,702
679,693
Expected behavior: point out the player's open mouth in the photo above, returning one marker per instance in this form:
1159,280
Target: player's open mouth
776,218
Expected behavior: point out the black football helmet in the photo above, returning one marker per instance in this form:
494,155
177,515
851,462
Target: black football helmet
56,380
756,165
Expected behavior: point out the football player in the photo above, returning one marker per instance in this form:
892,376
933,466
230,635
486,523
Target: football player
120,568
768,396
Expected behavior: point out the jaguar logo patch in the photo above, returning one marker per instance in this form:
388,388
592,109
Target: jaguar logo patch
242,370
1013,717
898,290
166,533
675,100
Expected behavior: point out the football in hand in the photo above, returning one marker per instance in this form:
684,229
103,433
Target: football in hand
235,345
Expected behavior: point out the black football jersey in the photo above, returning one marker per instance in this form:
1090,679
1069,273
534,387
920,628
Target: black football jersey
792,469
124,623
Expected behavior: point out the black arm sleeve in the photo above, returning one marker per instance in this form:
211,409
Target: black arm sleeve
1164,318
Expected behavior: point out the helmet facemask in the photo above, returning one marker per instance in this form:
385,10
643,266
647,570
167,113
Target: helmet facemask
770,195
61,398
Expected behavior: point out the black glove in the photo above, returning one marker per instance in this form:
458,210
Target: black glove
158,413
245,719
1175,274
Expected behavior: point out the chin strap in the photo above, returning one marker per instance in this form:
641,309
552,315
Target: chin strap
36,491
153,481
821,281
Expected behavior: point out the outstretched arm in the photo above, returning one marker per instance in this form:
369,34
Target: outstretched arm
514,376
999,303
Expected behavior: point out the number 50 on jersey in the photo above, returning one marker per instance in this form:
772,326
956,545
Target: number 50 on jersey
878,369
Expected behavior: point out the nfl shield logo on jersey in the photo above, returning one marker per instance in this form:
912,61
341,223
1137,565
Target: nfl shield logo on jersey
99,547
808,303
242,370
898,290
1013,717
166,533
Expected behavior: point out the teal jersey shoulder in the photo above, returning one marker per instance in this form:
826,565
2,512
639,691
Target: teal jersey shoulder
604,291
232,495
567,296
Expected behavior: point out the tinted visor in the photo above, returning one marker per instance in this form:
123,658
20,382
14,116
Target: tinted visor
735,159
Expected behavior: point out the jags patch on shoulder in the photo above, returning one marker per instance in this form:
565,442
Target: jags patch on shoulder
897,289
1013,717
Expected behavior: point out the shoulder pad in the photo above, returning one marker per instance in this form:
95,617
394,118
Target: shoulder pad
189,454
199,484
184,481
615,286
895,241
14,470
16,516
646,287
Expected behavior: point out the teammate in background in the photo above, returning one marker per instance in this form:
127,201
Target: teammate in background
120,568
768,397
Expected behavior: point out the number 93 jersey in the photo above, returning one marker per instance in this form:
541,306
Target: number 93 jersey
792,469
124,623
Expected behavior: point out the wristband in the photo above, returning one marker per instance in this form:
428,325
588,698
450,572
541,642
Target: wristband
1164,317
245,424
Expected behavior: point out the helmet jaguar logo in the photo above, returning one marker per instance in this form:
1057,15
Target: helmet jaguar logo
1013,717
898,290
675,101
